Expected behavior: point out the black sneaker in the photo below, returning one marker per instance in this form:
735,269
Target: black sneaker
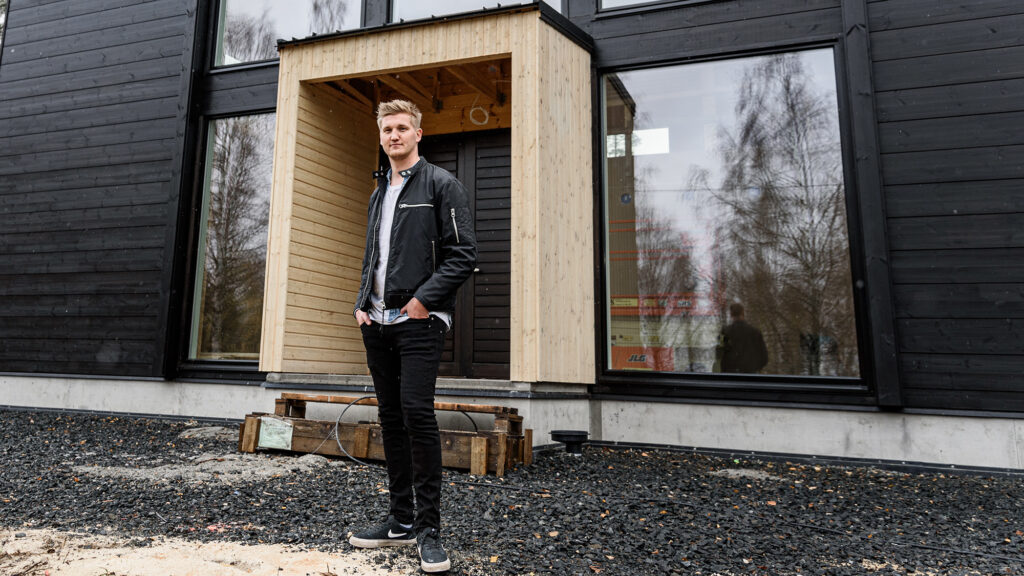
432,555
390,533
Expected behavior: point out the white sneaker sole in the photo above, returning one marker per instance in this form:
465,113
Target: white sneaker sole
363,543
436,567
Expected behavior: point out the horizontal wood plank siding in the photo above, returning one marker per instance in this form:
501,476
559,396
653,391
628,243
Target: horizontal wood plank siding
229,91
710,29
89,109
949,81
323,234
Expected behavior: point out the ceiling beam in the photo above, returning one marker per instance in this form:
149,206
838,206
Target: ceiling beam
424,102
353,92
476,81
346,97
412,83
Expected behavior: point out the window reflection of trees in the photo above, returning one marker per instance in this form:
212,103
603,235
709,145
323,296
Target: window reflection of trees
234,255
327,15
248,38
781,235
251,37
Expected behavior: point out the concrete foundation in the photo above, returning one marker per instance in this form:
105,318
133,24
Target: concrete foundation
948,440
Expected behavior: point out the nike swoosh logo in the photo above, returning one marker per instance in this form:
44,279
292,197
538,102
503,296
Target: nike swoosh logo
391,534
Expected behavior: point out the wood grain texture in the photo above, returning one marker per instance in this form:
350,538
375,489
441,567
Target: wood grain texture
318,248
565,213
89,127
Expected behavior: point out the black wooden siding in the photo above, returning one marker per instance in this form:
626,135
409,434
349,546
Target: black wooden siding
232,91
949,83
709,29
90,96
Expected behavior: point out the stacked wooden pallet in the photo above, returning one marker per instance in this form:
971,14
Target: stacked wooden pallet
504,446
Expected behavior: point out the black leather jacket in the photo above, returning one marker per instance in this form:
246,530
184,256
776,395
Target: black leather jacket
433,243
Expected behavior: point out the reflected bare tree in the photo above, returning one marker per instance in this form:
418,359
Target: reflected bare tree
782,242
236,235
248,38
327,16
3,19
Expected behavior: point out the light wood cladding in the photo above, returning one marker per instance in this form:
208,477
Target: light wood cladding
552,321
318,225
507,70
566,213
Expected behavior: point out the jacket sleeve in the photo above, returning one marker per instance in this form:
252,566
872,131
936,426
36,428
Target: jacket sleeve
457,250
365,276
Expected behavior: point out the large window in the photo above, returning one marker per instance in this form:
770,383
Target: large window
726,242
227,306
417,9
248,30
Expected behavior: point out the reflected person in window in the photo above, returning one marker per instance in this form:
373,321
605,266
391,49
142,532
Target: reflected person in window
420,247
741,348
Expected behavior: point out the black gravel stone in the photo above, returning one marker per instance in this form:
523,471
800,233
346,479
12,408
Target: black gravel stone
613,511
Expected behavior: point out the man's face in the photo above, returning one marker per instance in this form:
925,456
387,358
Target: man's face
397,136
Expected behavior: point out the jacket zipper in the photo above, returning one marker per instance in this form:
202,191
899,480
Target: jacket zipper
456,226
433,255
415,205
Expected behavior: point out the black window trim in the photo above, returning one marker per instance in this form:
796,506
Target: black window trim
194,200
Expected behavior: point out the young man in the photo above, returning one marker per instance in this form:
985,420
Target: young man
420,247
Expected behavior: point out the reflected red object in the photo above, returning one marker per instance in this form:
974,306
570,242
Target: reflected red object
658,359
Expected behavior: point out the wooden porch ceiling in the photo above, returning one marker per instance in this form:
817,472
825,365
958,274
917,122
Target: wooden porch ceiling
429,88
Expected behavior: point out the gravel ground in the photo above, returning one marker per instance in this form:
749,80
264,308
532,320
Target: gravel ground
611,511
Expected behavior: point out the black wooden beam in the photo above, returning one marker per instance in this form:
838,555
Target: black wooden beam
876,285
171,281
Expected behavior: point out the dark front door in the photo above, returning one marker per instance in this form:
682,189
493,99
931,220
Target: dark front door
478,343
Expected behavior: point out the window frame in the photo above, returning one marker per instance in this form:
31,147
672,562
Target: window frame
198,236
216,29
734,387
207,367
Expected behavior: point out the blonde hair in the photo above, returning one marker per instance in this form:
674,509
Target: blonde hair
399,107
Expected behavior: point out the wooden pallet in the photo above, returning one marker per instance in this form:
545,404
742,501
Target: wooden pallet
480,452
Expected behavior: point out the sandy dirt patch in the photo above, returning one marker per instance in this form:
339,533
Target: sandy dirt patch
55,553
227,468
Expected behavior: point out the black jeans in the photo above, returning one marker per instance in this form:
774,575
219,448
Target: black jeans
403,360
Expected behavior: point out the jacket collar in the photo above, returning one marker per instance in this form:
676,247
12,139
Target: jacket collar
413,169
385,175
